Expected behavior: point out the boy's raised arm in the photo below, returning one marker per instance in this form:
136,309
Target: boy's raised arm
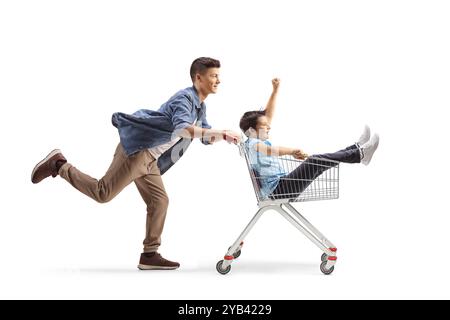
270,107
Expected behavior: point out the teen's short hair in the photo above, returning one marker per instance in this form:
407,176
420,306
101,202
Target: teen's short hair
200,65
249,120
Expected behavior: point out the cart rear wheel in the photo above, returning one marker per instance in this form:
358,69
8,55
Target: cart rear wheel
324,269
324,257
220,269
236,254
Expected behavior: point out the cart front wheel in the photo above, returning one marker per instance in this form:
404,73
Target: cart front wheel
220,269
324,257
324,269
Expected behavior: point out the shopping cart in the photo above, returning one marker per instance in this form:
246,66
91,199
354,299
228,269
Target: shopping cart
319,181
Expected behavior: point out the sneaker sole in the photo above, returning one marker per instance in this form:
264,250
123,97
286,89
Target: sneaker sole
365,139
147,267
51,154
368,159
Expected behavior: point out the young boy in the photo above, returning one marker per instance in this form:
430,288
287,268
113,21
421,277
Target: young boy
274,181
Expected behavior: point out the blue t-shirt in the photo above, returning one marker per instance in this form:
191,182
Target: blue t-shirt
268,168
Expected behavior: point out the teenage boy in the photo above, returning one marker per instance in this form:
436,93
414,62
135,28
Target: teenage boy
150,143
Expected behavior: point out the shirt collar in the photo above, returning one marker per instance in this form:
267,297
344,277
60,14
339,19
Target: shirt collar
197,103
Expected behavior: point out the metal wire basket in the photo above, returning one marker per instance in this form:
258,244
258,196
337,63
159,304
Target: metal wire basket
305,180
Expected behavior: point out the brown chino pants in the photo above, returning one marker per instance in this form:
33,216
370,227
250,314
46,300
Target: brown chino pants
141,168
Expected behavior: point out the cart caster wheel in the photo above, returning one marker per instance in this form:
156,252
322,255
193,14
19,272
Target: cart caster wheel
236,254
324,257
324,269
219,268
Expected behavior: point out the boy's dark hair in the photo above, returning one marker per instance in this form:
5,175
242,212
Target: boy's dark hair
250,119
200,65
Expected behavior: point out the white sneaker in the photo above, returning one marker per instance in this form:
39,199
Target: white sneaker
368,149
364,137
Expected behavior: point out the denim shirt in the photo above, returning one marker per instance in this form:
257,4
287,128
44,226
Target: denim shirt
147,128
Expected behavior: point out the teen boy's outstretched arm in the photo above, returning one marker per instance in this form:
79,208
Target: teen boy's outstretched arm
211,135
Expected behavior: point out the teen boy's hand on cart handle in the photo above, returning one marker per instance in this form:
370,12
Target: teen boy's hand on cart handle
231,137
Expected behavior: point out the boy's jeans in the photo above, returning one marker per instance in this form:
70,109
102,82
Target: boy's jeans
310,169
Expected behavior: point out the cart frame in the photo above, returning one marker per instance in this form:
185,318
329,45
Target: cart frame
286,209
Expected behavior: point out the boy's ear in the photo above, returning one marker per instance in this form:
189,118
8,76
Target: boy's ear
249,132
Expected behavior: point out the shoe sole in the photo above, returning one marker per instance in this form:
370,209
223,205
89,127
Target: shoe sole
366,128
51,154
147,267
375,146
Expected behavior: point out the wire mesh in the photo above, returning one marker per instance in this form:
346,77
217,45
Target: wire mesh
311,179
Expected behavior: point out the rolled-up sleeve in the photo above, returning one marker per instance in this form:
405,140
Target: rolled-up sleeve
203,120
182,109
204,124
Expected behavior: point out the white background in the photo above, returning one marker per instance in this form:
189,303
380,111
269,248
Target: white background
66,66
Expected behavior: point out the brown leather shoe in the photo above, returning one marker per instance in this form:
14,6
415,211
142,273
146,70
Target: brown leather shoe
48,166
154,261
